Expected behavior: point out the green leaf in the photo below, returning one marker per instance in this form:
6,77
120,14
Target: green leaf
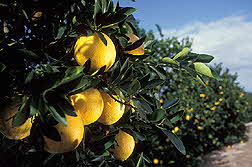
149,43
160,72
159,30
2,67
204,58
104,5
74,20
87,65
101,36
117,6
22,114
110,7
175,140
28,54
200,79
66,107
139,136
216,75
58,116
124,66
84,84
183,53
25,14
132,27
144,105
108,144
61,32
99,71
49,68
35,105
153,83
175,117
29,77
123,41
116,19
203,69
126,10
97,8
73,71
157,115
134,87
144,80
170,61
140,162
135,45
170,103
83,2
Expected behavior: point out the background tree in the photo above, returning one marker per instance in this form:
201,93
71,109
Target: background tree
213,114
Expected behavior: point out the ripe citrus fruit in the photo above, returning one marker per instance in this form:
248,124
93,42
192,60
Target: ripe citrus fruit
7,115
89,104
112,110
137,51
125,146
92,47
71,136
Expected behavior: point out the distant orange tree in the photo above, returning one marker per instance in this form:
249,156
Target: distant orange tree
212,113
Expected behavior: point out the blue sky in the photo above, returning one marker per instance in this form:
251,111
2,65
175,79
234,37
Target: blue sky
176,13
222,28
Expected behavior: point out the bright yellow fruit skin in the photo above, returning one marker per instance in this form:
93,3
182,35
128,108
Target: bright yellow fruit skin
125,146
89,104
112,110
7,115
137,51
71,136
92,47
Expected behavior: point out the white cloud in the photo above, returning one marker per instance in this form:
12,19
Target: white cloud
229,40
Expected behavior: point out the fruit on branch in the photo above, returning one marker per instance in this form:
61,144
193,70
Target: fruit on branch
125,146
7,114
71,136
112,111
92,47
89,104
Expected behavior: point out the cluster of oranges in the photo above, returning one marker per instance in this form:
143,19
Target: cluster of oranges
91,105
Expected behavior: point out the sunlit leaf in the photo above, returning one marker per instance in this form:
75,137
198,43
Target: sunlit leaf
183,53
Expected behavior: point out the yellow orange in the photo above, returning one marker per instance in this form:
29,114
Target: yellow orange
112,110
7,115
89,104
125,146
91,47
71,136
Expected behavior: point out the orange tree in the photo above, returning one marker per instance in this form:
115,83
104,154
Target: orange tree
213,113
79,83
